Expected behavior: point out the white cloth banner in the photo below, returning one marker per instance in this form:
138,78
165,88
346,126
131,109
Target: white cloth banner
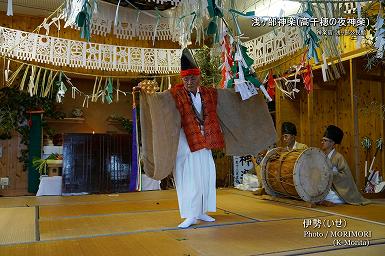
50,186
241,164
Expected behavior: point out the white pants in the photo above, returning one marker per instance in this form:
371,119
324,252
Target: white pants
195,180
333,197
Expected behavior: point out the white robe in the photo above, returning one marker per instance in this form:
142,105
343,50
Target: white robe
195,176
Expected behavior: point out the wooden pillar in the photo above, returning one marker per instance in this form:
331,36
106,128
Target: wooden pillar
310,113
382,152
2,67
278,113
354,120
34,150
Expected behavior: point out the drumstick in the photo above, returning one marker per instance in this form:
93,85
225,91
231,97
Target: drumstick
257,170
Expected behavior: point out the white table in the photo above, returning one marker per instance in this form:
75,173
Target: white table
50,186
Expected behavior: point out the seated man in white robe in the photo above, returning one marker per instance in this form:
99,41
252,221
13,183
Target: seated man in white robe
344,189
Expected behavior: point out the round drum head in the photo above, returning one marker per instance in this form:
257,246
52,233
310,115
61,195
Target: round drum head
312,175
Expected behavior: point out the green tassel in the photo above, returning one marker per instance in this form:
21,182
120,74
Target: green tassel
211,7
83,21
249,61
109,91
230,83
252,79
212,27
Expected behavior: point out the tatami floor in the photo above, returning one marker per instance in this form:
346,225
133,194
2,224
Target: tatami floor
145,223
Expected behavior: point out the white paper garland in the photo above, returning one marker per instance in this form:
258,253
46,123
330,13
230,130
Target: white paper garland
64,52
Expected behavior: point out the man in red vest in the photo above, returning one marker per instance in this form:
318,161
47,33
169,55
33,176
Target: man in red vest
181,126
195,169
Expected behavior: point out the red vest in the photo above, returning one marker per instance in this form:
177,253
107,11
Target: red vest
212,137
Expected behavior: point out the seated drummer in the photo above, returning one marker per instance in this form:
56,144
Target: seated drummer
289,131
343,190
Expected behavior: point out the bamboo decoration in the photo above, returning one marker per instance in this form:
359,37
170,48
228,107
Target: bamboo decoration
366,144
368,184
379,144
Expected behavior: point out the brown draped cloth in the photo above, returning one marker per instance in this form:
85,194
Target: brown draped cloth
247,127
343,182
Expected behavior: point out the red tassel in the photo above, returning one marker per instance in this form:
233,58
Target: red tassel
30,121
307,75
271,85
226,56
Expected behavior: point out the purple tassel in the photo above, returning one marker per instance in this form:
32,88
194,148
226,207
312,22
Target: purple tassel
134,164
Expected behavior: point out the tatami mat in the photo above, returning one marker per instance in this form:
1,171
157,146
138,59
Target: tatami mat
261,209
374,212
89,199
66,210
143,244
15,201
17,225
145,223
372,250
121,223
264,237
375,248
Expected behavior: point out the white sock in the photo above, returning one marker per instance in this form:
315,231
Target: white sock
205,217
187,223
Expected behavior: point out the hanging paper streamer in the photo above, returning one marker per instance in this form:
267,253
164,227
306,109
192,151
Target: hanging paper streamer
85,102
169,82
379,36
135,165
311,39
360,29
62,89
84,18
31,84
116,14
158,16
109,91
10,8
245,81
42,82
7,71
214,13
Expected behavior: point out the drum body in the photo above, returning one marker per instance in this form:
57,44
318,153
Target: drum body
303,174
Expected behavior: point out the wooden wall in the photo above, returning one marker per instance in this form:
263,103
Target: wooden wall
355,103
97,114
11,167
